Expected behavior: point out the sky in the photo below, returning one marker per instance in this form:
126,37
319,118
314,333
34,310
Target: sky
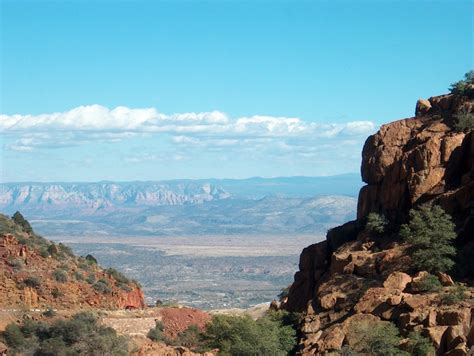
150,90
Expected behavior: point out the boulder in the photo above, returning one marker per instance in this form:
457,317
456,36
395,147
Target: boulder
422,107
397,280
445,279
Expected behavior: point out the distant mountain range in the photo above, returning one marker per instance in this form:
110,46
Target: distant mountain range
187,207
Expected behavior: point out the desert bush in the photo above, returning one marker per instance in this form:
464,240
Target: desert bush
464,121
378,339
78,276
430,232
429,283
91,278
13,336
419,345
156,333
32,281
462,87
15,263
118,276
44,252
456,294
60,275
376,223
102,286
81,335
241,335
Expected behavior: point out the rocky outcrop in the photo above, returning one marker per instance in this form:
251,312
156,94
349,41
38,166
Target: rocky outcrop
35,273
354,276
420,159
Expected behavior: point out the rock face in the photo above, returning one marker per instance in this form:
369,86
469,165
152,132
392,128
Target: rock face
356,275
35,273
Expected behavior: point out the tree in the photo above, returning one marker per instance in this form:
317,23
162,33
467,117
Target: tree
376,223
430,233
20,220
464,87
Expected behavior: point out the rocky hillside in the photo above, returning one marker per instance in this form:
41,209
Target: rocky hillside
358,279
36,273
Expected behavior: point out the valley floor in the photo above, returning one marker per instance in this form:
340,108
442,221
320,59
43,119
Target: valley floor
206,272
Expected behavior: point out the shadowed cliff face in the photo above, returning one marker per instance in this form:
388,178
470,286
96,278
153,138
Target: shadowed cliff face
355,277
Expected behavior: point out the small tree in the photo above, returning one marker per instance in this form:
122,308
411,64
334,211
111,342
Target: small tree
430,233
376,223
464,87
20,220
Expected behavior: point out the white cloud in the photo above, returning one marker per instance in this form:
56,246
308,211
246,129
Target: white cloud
207,129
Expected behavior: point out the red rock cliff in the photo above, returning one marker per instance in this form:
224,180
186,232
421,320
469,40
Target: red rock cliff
352,278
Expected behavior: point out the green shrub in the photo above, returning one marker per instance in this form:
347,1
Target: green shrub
15,263
13,336
419,345
456,294
60,275
91,278
241,335
156,333
44,252
378,339
78,276
118,276
429,283
430,233
462,87
81,335
376,223
20,220
32,281
464,121
102,286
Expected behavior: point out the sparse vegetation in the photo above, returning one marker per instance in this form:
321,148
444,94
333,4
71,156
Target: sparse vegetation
91,278
376,223
464,121
419,345
430,233
81,335
380,339
464,87
32,281
60,275
156,334
241,335
102,286
456,294
429,283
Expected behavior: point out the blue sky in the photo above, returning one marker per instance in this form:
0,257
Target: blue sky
144,90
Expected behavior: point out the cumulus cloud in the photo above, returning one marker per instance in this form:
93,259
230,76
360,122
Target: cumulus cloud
98,123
